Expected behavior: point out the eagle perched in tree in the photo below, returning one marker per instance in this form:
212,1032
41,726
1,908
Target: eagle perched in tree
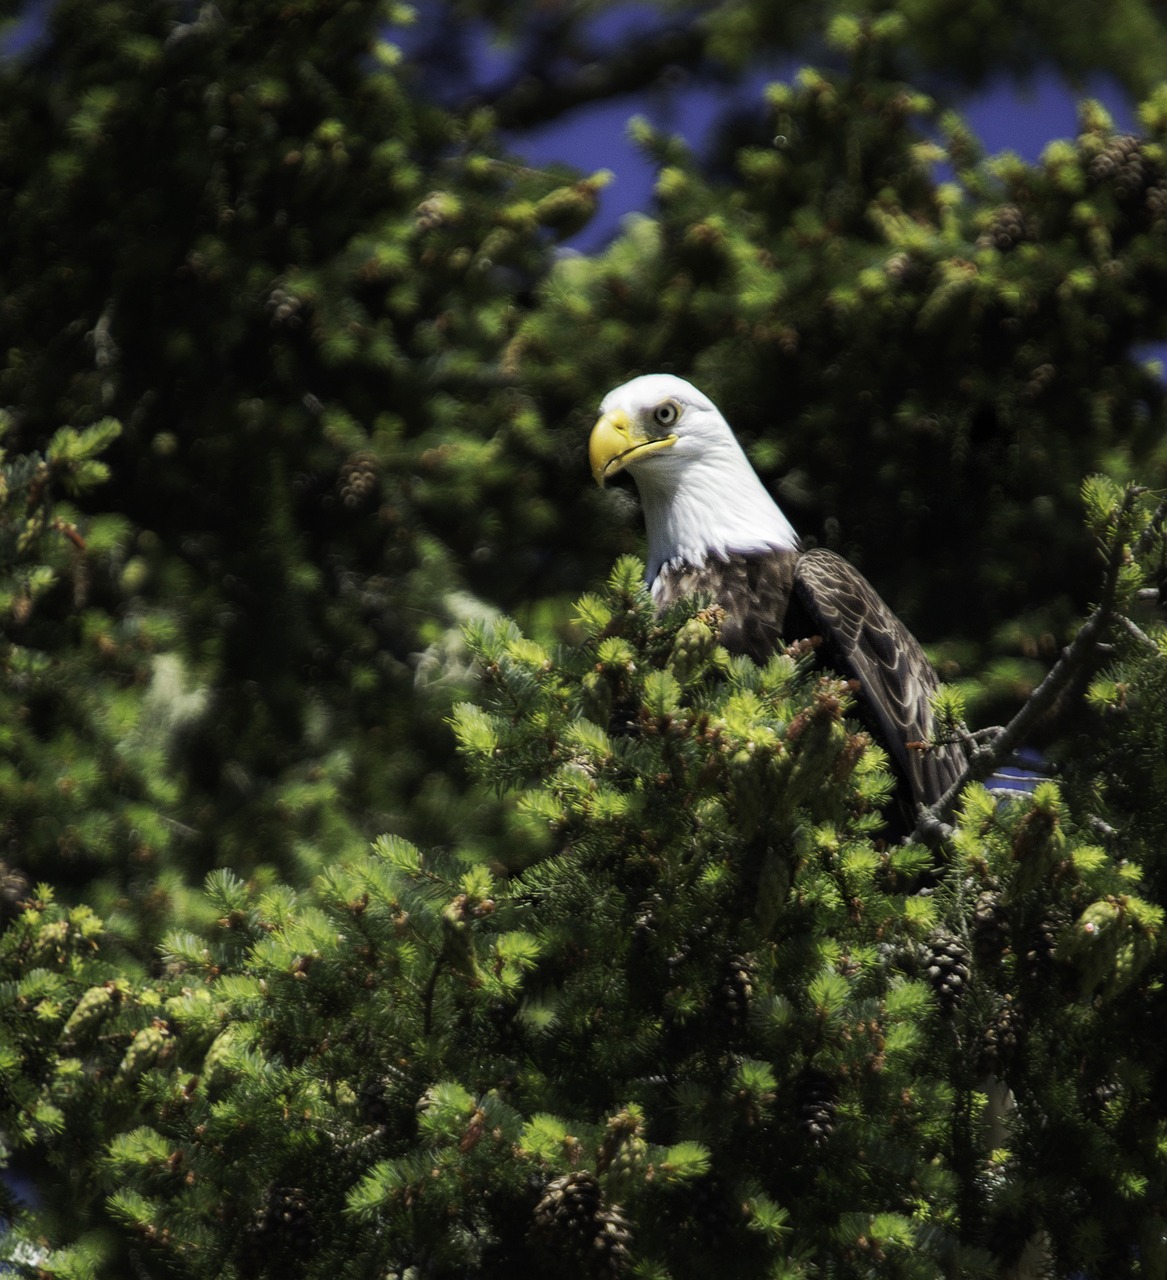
713,528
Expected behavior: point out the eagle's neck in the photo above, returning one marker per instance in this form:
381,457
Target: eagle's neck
713,506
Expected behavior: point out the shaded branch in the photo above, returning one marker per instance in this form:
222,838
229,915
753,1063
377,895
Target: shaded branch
538,100
428,995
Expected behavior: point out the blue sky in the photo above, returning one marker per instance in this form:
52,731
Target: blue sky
1007,115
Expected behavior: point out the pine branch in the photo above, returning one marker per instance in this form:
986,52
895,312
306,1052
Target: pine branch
932,827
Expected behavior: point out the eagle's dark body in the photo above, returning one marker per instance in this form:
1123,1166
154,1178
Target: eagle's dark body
778,596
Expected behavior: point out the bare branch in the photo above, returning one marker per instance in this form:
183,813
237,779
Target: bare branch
1101,828
932,827
1139,634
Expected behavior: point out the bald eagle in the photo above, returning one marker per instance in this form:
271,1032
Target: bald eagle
713,528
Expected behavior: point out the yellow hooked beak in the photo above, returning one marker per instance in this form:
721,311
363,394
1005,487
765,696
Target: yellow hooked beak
616,441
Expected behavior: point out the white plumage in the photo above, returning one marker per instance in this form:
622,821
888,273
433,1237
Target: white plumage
701,496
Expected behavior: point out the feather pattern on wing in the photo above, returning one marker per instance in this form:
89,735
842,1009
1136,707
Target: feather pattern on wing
865,640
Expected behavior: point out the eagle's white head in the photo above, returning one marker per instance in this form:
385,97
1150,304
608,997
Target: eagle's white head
701,496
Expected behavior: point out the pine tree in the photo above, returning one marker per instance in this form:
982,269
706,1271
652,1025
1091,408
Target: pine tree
636,982
243,235
555,1076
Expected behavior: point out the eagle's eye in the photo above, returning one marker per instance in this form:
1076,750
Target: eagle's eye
664,415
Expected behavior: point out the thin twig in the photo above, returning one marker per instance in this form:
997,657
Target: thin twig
1139,634
1104,829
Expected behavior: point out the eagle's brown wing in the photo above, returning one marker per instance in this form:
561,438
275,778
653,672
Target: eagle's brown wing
866,641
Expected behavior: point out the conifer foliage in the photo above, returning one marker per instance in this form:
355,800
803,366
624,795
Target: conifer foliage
704,1012
387,889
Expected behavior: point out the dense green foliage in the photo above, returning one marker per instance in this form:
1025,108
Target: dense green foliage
698,999
338,942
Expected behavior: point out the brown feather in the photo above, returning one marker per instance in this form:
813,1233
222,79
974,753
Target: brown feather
779,596
753,590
